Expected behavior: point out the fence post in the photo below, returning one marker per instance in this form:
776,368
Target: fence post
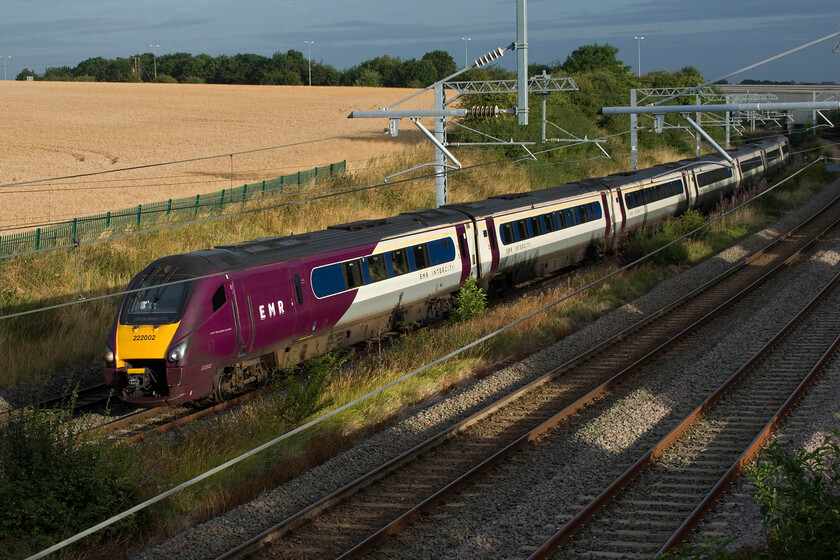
222,200
244,192
37,239
73,230
169,207
139,212
298,178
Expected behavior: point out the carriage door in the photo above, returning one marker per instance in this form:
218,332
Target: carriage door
243,317
302,296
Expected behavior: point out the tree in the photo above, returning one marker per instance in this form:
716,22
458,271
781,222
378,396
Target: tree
443,63
368,78
594,57
58,74
26,73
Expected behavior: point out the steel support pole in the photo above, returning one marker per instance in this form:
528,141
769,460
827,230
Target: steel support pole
698,116
634,134
728,124
440,158
522,62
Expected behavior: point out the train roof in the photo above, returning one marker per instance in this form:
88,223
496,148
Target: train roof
269,250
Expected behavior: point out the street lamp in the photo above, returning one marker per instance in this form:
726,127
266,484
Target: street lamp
309,58
154,57
639,42
466,58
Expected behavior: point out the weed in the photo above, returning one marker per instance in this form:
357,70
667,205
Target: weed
471,302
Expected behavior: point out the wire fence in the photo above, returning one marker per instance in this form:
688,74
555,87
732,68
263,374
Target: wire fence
90,227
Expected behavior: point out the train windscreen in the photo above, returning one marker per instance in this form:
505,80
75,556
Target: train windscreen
158,301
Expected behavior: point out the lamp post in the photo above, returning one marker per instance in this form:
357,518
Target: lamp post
466,58
309,58
639,43
154,57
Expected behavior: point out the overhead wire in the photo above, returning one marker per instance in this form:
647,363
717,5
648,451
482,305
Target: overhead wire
267,445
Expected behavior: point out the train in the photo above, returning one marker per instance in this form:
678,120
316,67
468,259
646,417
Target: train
206,325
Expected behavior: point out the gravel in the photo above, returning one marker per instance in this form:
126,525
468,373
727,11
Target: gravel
603,441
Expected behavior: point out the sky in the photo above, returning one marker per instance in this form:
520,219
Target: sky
715,36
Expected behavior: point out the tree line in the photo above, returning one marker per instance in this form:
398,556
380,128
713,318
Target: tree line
289,68
293,68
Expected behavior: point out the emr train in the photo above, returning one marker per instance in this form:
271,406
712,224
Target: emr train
207,324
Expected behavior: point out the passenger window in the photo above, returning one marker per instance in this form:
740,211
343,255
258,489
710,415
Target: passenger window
584,213
298,290
535,226
522,230
561,218
548,223
506,231
219,299
353,273
421,256
399,261
376,267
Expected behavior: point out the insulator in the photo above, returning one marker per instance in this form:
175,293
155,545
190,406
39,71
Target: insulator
492,55
492,111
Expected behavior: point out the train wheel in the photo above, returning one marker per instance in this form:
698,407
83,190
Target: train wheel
223,386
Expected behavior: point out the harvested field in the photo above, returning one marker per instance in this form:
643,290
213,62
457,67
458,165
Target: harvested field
55,130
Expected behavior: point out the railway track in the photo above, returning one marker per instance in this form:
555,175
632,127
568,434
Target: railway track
365,514
655,504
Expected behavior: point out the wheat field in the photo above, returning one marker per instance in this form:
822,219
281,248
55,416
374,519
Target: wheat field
71,149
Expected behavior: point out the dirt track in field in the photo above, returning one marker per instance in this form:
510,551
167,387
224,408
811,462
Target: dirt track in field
54,130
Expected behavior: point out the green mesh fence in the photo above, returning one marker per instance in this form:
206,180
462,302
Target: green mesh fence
146,215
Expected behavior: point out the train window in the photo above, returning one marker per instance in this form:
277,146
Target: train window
298,290
157,302
522,230
584,213
548,223
709,177
536,226
750,164
596,211
219,298
506,233
399,261
443,251
421,256
352,273
376,268
328,280
561,219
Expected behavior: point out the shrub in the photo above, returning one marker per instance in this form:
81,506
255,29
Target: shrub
799,493
470,302
307,397
55,482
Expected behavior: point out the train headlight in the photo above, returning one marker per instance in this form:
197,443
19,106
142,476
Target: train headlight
178,352
110,356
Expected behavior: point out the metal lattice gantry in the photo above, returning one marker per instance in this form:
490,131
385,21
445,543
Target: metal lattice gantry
704,96
542,85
